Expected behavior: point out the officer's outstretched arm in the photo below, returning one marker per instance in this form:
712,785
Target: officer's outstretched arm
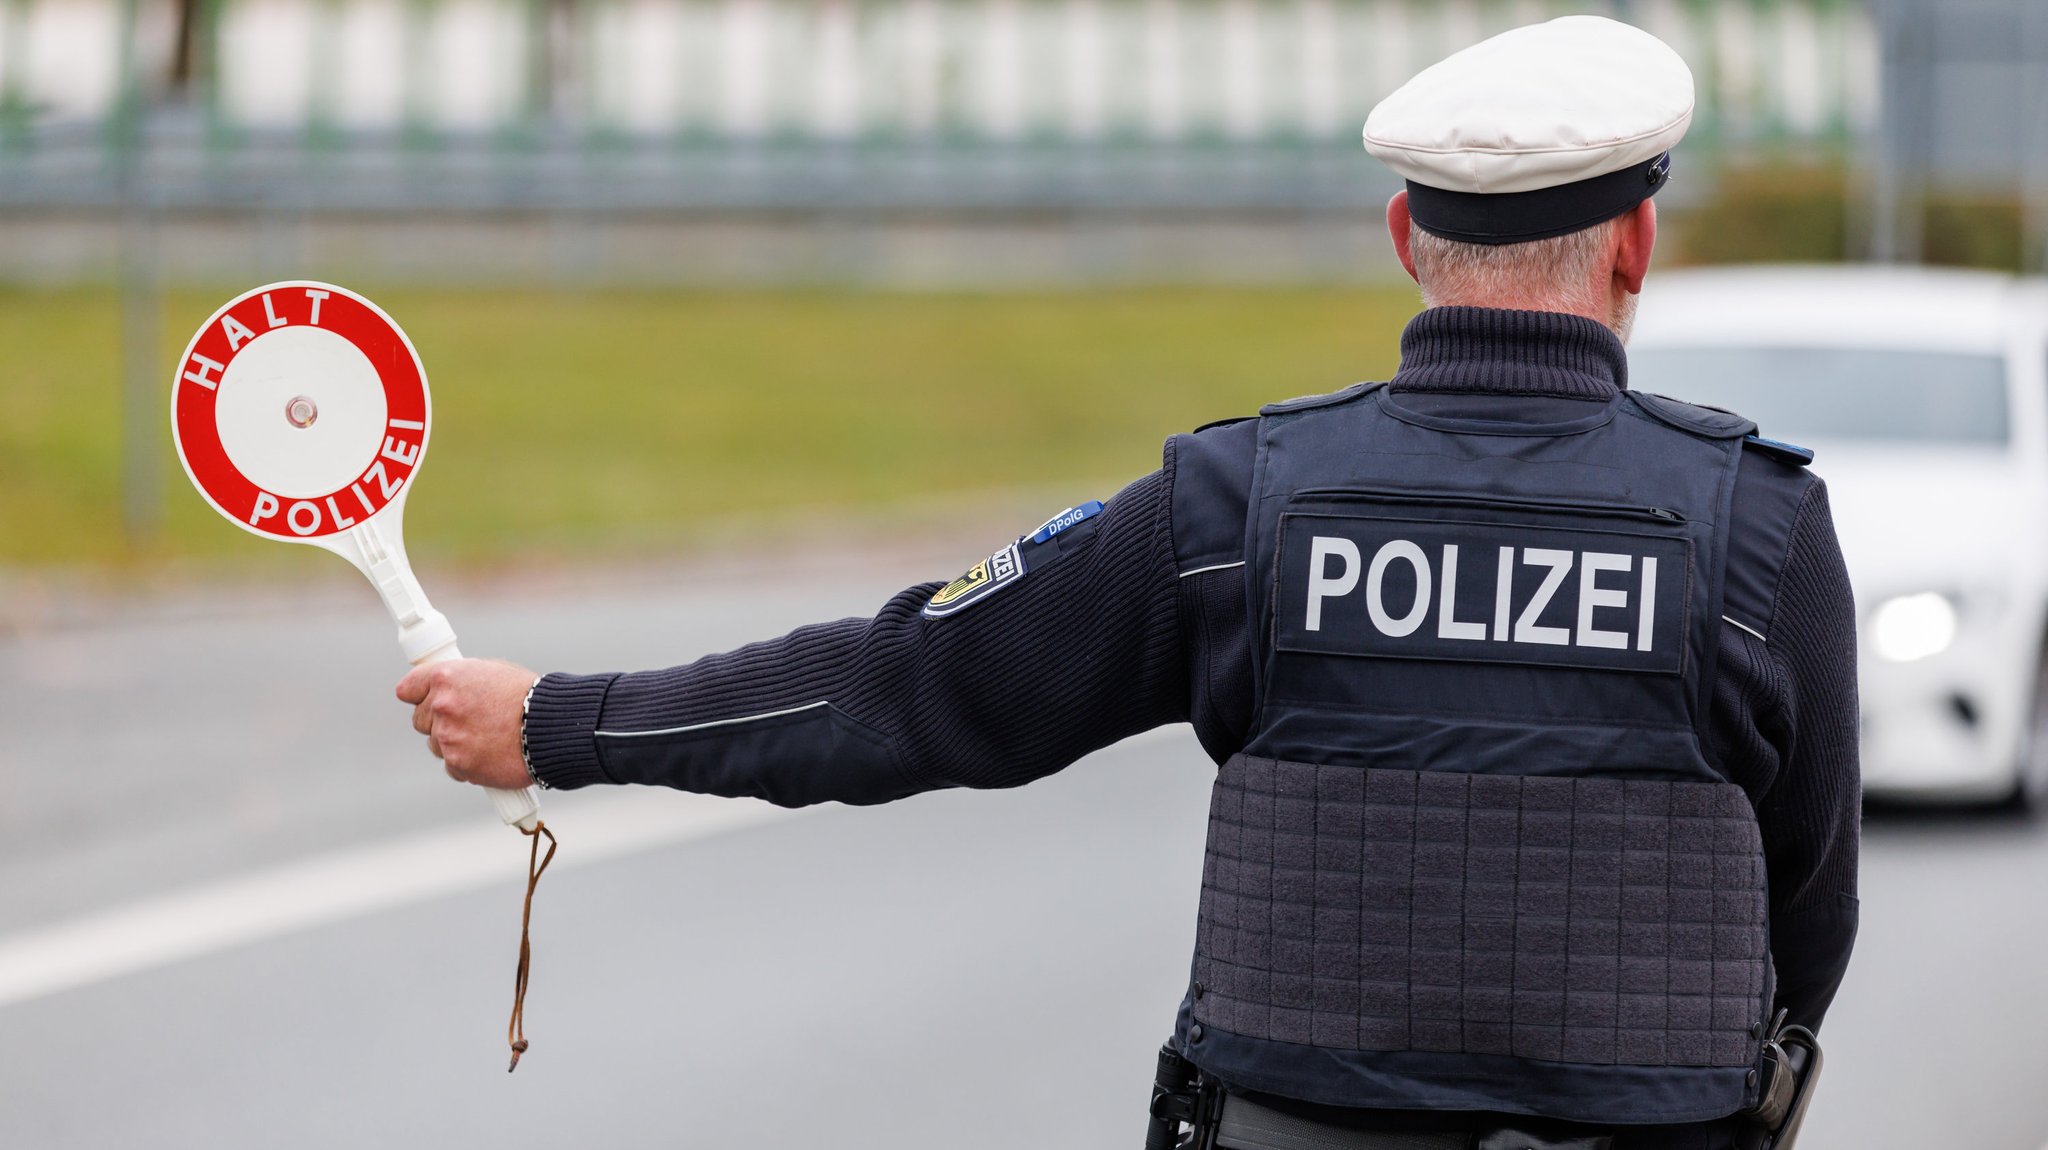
1058,644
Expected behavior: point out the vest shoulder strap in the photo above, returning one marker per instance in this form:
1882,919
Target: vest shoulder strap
1332,399
1712,422
1718,423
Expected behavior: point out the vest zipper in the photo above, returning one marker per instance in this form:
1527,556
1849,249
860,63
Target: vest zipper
1662,514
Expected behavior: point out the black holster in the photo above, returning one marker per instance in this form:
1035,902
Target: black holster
1184,1107
1789,1072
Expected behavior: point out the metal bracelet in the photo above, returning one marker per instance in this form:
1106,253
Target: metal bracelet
525,707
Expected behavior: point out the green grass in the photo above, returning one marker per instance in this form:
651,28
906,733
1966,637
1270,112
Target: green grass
589,424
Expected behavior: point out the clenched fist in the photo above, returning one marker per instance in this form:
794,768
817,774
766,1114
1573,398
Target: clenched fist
470,712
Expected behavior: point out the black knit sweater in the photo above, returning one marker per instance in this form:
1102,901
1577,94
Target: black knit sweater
1112,641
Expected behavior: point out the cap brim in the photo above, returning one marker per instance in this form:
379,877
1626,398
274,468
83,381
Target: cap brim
1519,217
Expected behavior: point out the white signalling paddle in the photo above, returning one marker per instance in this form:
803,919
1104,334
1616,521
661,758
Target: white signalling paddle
301,413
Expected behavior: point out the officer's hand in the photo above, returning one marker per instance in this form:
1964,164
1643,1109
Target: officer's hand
469,710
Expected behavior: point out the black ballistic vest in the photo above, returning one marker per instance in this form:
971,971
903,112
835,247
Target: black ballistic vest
1472,856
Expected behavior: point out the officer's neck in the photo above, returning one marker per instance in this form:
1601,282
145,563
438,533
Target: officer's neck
1496,351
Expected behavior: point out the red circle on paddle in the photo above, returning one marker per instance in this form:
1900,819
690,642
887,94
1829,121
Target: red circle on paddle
300,410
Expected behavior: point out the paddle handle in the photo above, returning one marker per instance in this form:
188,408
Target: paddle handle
424,634
519,808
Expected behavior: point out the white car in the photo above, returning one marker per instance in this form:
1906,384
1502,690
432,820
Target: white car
1924,395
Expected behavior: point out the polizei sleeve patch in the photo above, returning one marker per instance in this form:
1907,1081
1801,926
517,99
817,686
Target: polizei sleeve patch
982,580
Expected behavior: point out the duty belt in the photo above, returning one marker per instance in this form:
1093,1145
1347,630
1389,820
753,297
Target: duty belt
1190,1112
1246,1125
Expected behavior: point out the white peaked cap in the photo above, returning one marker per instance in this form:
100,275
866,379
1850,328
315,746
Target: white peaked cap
1550,106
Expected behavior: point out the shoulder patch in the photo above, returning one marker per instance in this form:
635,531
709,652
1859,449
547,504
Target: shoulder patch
1700,420
982,580
1220,423
1034,552
1066,519
1781,451
1304,403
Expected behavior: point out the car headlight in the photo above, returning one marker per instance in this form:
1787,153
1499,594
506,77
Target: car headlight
1913,627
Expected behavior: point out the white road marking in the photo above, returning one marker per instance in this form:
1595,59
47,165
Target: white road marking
362,880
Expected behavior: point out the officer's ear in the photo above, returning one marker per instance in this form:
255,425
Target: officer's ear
1399,226
1635,235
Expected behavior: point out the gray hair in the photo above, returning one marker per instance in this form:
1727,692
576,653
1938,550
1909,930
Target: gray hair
1562,273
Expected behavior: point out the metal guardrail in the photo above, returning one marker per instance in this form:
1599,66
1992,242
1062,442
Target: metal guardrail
680,105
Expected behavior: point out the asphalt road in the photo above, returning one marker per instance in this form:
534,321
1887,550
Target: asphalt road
965,969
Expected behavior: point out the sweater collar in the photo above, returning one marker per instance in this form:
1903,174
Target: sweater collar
1488,351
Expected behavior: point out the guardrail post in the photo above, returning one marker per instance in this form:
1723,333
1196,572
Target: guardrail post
15,116
2034,138
141,415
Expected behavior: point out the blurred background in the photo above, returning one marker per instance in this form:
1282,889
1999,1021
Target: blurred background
741,314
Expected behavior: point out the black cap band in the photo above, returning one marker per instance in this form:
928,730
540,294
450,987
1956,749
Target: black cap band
1518,217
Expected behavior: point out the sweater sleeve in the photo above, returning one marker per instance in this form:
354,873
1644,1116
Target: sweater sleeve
1811,814
1080,651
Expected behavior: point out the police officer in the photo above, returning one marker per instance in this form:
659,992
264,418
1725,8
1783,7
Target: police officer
1533,697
